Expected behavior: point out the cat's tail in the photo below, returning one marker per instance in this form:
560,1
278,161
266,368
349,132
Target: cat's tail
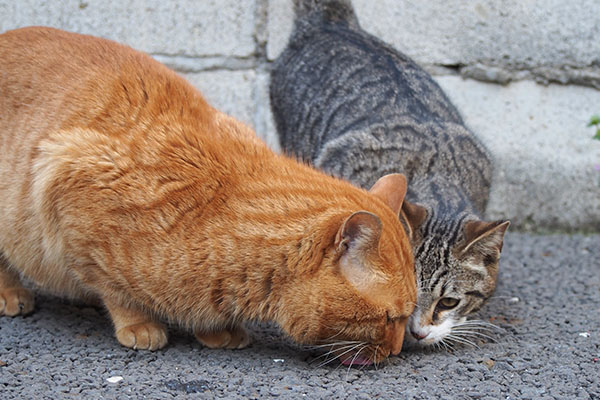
325,11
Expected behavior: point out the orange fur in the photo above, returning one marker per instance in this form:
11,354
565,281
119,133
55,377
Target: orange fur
119,182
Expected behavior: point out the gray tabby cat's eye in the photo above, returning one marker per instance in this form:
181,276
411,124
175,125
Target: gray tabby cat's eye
447,303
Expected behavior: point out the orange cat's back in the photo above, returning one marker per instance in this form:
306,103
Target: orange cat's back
120,182
91,80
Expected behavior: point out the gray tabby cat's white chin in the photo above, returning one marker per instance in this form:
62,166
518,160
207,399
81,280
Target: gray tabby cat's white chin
418,335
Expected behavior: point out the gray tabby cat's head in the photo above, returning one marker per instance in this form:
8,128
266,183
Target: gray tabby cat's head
455,279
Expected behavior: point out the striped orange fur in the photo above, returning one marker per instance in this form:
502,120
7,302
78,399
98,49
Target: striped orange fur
119,182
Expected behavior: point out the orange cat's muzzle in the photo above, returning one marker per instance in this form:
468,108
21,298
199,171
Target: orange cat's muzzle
397,329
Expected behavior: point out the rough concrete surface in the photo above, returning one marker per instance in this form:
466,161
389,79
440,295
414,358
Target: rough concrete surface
547,307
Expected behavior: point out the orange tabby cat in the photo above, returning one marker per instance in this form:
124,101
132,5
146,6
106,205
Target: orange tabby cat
119,182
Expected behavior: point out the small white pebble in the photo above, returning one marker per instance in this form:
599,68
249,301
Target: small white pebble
584,334
278,360
114,379
513,300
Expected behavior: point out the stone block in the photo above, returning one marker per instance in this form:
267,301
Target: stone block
545,157
186,27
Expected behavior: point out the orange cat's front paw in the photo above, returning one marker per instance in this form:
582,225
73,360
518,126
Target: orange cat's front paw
236,338
143,336
15,301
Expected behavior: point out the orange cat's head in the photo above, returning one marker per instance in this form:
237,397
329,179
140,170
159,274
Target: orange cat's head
354,286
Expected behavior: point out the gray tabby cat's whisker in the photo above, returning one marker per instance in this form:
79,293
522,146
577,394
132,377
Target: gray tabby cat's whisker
484,330
475,328
438,346
481,325
452,343
462,340
474,335
471,332
447,346
451,339
451,346
478,322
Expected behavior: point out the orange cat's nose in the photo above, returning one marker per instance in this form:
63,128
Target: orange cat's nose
398,329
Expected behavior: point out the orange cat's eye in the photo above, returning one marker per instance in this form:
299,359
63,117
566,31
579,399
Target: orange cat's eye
447,303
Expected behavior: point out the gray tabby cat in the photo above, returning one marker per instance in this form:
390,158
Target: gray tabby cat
355,107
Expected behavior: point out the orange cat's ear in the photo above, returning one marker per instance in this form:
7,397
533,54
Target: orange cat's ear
412,216
359,233
485,237
391,189
357,238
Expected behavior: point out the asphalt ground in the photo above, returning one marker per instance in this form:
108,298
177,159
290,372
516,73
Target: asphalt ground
547,309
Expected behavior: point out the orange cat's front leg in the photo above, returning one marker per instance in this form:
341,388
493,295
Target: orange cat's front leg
235,338
14,298
136,329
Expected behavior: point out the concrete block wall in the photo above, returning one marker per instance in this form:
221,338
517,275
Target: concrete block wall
525,75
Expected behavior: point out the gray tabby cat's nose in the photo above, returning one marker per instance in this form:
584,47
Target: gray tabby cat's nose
417,335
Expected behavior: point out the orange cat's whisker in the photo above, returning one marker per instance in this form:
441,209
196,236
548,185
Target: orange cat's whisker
338,356
324,355
375,361
333,350
318,346
354,359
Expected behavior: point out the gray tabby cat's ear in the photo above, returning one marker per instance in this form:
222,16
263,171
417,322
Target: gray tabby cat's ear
359,234
391,189
485,237
412,216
